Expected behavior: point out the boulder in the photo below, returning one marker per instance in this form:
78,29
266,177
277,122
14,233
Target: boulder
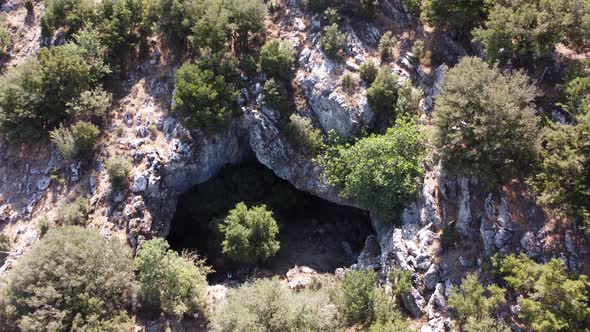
431,277
369,258
414,302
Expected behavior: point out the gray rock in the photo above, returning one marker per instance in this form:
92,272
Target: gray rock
43,183
464,216
140,183
423,262
531,245
352,66
414,302
369,259
431,277
118,196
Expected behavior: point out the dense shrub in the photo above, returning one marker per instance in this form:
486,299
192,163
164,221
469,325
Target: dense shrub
70,14
401,281
90,104
381,172
174,284
4,247
408,99
86,135
419,49
204,99
458,14
72,276
577,92
485,324
484,122
359,301
333,41
301,131
249,234
275,95
368,71
507,33
34,94
387,44
30,7
267,305
332,15
277,58
5,41
382,94
74,213
414,7
118,169
471,299
355,297
562,180
553,301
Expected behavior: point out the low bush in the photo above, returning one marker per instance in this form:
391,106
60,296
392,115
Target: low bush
71,277
471,299
387,44
355,297
74,213
333,41
86,134
4,247
249,234
267,305
118,169
301,131
64,141
348,83
368,72
275,95
91,104
5,41
173,284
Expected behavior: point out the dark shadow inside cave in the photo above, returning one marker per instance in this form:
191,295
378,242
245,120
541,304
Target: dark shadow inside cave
313,232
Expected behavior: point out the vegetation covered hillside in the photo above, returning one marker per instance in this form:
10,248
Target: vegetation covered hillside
437,152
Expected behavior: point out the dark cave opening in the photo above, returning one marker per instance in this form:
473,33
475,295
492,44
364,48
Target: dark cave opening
313,232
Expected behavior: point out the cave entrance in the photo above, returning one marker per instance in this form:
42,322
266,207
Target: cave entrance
313,232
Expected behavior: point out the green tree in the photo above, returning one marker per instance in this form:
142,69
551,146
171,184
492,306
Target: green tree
266,305
204,99
459,14
484,122
71,275
562,180
408,99
381,172
382,94
118,169
525,30
277,58
553,301
249,234
333,41
71,15
368,71
247,16
471,299
174,284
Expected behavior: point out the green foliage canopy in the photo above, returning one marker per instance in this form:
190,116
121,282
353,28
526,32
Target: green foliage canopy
71,275
484,122
175,284
381,172
249,234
